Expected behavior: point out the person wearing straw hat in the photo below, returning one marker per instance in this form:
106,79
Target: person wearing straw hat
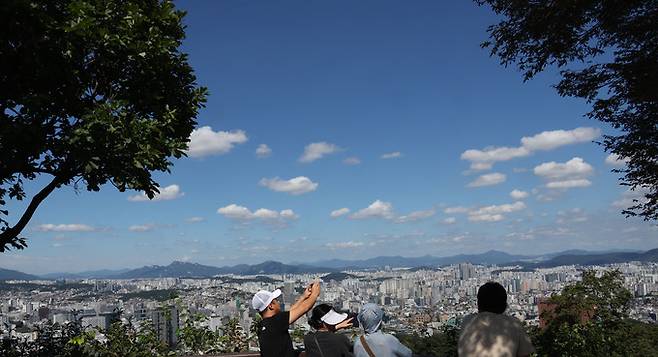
273,336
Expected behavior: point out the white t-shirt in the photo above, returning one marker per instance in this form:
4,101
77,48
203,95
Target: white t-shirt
494,335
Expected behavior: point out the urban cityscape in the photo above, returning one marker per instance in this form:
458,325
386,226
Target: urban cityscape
416,301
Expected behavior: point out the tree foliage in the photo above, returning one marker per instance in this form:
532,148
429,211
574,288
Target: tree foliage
93,91
441,343
607,53
590,318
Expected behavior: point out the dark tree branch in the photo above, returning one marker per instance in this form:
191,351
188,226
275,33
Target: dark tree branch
10,234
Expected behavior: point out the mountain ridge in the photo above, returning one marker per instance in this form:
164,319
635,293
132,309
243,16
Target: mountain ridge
178,269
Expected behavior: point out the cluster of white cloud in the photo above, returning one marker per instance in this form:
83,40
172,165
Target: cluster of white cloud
339,212
142,227
242,213
295,186
195,219
631,198
168,193
570,174
263,151
74,227
491,179
456,209
315,151
344,245
494,213
352,161
383,210
391,155
544,141
518,194
615,160
415,216
377,209
449,220
205,142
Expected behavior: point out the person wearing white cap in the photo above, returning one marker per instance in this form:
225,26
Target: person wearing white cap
324,342
273,336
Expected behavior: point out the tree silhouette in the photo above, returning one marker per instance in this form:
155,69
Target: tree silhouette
607,53
92,92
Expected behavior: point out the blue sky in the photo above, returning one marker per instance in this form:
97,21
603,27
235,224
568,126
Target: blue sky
386,113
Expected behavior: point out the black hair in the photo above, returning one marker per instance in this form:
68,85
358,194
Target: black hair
492,297
316,316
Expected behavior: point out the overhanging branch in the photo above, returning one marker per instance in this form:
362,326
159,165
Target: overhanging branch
10,234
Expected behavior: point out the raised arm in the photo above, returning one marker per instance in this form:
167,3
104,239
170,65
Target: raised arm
305,302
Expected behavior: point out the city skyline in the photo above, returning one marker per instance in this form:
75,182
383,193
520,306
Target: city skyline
344,130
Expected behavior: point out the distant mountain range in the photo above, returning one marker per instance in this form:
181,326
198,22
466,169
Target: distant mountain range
184,269
6,274
594,259
490,257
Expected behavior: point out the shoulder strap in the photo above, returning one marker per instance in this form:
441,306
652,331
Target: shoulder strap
315,337
365,345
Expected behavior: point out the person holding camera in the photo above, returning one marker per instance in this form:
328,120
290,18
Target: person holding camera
325,342
273,336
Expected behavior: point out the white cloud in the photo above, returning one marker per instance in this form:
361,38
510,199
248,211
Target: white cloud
234,211
494,154
315,151
415,216
168,193
575,167
488,180
288,214
631,198
549,140
570,174
457,209
565,184
263,151
518,194
265,213
141,227
295,186
377,209
195,219
339,212
74,227
392,155
352,161
615,160
241,213
344,245
205,142
481,166
494,213
449,220
486,218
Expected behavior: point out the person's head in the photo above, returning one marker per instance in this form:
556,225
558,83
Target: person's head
266,302
324,317
370,317
492,297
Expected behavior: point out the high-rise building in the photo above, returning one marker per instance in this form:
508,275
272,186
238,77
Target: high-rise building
166,323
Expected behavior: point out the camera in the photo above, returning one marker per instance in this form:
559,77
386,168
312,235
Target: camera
353,315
